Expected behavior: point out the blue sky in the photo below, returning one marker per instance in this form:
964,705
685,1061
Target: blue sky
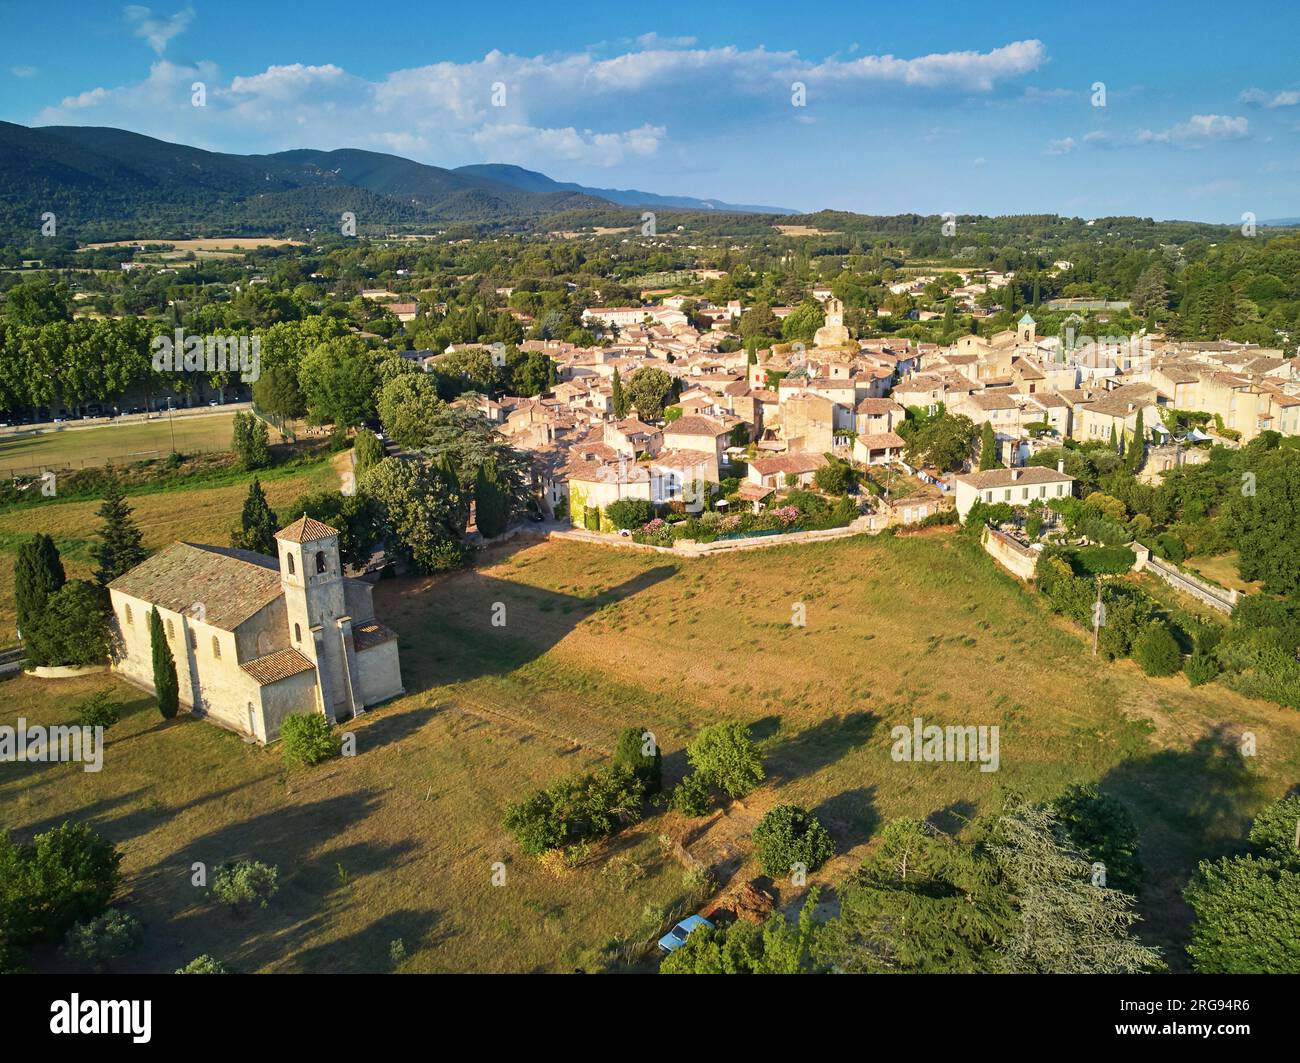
907,106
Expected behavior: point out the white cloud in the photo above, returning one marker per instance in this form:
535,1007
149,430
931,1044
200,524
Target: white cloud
1198,130
1285,98
157,31
600,110
1061,147
23,71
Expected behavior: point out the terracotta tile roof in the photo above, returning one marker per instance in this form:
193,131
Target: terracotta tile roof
788,463
371,633
697,426
1030,474
752,492
231,585
882,441
879,406
305,530
276,666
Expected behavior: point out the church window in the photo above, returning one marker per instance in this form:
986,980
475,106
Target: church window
129,621
216,647
320,560
297,633
194,640
171,631
289,557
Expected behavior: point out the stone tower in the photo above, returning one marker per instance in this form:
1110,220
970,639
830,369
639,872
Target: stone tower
833,333
1027,330
316,603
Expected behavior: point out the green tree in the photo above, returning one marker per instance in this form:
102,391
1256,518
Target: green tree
357,519
120,548
367,450
630,512
1066,923
408,406
1156,651
1260,519
620,400
38,573
66,875
491,503
166,686
421,508
638,752
988,448
789,835
1245,906
257,523
338,381
73,629
307,740
725,755
1137,449
1102,828
648,390
250,441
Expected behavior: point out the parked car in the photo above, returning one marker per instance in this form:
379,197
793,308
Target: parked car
676,937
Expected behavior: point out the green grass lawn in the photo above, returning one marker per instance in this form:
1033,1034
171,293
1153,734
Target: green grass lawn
401,841
119,443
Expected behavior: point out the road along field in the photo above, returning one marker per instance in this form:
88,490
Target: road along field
402,842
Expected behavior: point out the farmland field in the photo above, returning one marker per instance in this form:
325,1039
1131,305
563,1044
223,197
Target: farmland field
400,841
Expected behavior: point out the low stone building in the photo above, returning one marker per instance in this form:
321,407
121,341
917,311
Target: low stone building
256,638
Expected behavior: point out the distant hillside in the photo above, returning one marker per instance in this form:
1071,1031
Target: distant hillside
532,181
110,184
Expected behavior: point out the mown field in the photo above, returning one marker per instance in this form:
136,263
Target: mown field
400,840
121,443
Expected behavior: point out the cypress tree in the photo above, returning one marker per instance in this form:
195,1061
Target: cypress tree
257,523
165,684
121,549
1114,440
988,447
619,398
1133,459
38,573
491,507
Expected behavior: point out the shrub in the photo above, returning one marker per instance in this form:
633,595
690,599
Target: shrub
1102,829
725,755
1156,651
245,882
691,796
73,629
101,709
1103,560
630,753
204,964
65,876
629,512
307,739
790,835
1200,668
108,937
1170,547
576,808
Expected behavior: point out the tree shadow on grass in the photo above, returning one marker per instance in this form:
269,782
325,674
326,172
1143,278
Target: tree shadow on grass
818,746
447,629
385,729
851,817
375,949
1189,805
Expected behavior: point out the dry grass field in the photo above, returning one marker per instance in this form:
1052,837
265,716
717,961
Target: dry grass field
400,840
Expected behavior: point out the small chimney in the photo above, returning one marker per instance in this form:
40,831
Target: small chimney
1060,466
1015,475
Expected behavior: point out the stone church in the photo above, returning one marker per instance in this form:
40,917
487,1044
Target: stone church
257,638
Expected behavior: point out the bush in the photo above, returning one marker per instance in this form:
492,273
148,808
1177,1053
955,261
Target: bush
1170,547
1103,829
1200,668
307,739
576,808
108,937
1103,560
790,835
630,754
1156,651
204,964
629,512
65,876
101,709
73,628
245,882
691,796
725,755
